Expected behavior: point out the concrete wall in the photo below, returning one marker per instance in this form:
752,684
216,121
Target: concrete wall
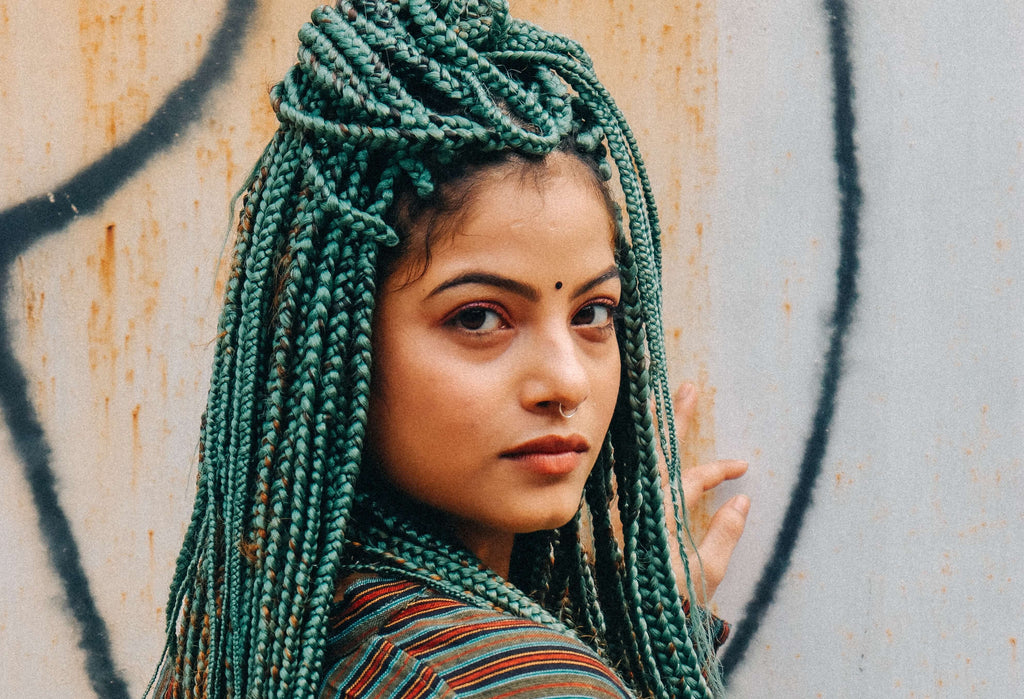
841,189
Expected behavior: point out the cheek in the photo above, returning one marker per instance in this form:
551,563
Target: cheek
423,398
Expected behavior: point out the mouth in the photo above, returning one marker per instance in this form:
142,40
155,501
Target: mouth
551,444
552,455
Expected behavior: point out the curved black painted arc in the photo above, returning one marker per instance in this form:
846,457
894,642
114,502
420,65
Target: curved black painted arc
846,298
32,448
24,224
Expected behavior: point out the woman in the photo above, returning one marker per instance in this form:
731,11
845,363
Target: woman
434,205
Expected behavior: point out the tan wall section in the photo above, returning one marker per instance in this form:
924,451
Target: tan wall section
111,314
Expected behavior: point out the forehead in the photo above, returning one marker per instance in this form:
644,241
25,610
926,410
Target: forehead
554,207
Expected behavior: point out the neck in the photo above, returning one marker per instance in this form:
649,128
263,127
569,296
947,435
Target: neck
494,549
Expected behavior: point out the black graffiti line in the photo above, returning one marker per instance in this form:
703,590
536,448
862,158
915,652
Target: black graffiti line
26,223
842,315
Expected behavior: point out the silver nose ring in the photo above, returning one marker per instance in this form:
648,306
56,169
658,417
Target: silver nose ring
567,415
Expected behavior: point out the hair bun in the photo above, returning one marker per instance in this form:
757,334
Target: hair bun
426,78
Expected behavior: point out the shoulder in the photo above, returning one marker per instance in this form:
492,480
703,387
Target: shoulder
395,638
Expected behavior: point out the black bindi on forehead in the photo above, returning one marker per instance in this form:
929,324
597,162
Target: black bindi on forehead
558,285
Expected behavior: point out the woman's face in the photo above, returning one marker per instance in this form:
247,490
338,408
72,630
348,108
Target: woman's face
512,317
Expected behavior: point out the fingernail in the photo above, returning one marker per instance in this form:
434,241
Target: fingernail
740,503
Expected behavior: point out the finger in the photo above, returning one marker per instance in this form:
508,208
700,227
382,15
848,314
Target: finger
723,534
699,479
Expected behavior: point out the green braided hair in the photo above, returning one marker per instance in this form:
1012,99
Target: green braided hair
387,97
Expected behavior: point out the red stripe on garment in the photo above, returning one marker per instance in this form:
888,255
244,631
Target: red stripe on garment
525,662
369,672
377,595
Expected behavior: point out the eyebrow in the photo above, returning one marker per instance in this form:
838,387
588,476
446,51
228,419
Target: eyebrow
495,280
607,275
516,287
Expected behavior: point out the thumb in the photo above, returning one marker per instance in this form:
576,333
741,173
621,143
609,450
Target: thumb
724,532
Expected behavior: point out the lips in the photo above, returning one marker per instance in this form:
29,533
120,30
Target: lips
550,455
551,444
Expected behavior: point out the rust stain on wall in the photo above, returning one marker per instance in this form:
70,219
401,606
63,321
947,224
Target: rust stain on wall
787,305
108,261
218,160
136,448
102,348
220,282
113,45
147,266
34,301
5,17
6,46
34,306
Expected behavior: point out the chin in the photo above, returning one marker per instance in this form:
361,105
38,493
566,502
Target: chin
552,520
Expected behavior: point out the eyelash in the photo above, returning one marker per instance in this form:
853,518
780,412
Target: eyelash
610,307
458,319
453,320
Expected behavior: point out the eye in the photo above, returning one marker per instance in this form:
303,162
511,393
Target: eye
594,315
477,319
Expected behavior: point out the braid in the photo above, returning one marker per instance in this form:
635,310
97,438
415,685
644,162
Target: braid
389,95
609,572
581,592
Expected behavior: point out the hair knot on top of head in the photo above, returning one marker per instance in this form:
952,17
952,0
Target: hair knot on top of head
403,87
417,76
385,89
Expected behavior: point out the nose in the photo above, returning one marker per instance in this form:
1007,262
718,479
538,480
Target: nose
556,379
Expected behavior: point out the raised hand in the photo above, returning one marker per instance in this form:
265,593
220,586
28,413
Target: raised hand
726,525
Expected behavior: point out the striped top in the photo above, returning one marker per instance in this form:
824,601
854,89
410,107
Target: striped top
395,639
